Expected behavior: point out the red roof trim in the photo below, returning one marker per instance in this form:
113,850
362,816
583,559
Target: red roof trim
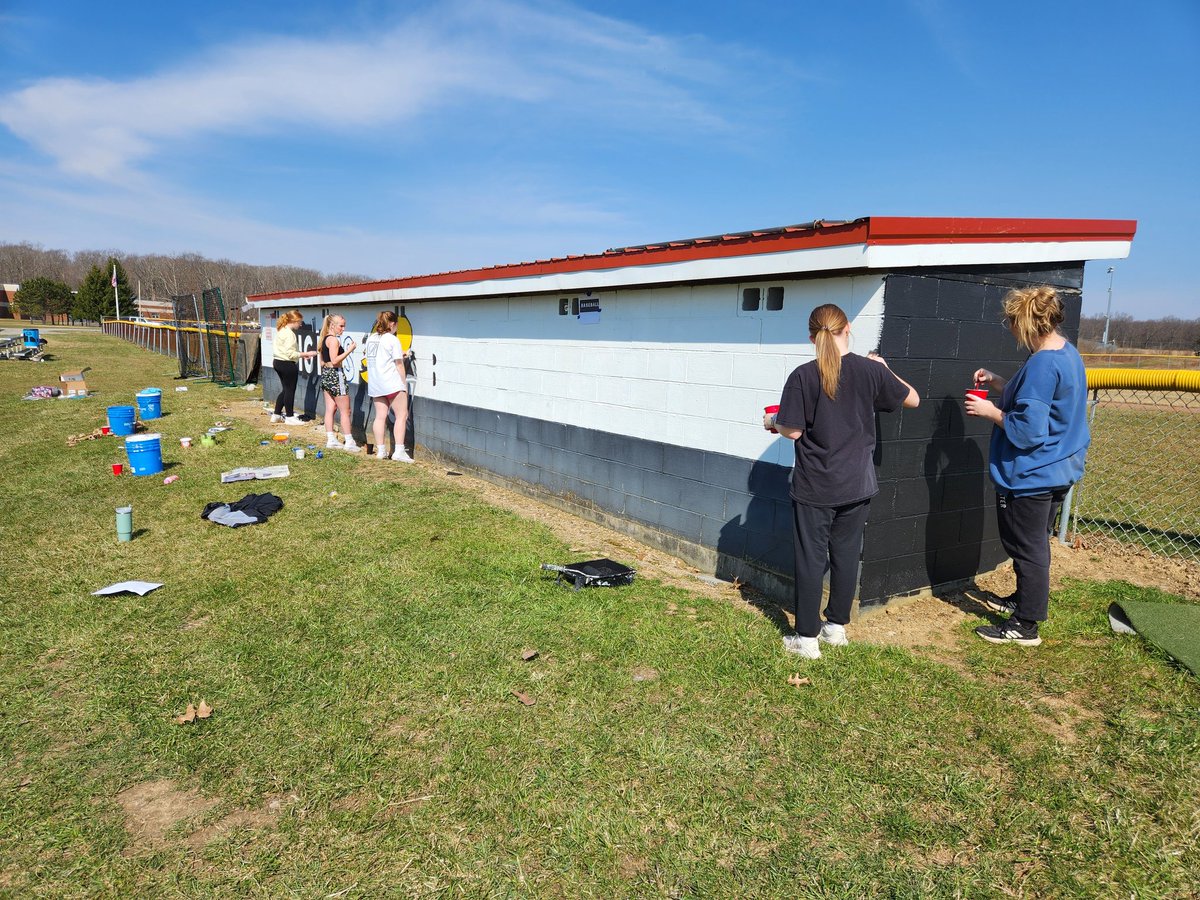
894,230
876,230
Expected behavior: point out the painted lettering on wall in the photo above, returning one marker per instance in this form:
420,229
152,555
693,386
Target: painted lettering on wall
306,340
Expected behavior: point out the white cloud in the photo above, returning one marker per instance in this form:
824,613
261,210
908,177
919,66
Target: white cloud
460,53
475,225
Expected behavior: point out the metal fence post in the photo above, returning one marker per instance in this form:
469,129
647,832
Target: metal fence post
1064,517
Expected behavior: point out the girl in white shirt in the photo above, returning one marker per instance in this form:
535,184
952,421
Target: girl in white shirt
387,384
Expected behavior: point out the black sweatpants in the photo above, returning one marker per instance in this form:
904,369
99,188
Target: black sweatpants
1025,527
289,374
826,537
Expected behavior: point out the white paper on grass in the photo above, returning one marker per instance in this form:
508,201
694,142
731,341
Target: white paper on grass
249,473
141,588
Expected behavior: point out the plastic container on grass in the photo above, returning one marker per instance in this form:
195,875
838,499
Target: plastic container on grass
121,419
145,454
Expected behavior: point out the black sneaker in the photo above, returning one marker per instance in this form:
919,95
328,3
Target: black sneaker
1012,631
1006,606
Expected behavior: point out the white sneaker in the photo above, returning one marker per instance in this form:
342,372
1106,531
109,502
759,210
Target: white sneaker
349,446
833,635
401,455
292,420
807,647
276,417
380,452
331,440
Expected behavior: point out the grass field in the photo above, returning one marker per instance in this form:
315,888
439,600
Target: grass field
361,653
1142,483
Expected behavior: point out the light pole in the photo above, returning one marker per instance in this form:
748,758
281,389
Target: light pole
1108,314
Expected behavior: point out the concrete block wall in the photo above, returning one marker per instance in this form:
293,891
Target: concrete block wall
724,513
934,521
683,365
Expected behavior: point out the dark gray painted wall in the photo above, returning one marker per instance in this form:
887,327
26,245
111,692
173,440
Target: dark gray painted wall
934,521
725,513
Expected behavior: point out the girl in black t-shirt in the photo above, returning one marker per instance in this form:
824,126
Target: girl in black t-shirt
828,408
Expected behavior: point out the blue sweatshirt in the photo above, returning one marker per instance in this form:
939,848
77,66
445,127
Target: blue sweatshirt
1044,439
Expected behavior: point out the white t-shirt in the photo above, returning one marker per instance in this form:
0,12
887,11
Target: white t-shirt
382,351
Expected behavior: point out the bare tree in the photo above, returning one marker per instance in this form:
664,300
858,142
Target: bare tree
158,276
1128,333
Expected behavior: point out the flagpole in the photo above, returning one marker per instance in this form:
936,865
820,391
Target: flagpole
116,296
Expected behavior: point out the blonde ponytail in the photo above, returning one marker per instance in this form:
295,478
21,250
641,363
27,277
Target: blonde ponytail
824,323
325,326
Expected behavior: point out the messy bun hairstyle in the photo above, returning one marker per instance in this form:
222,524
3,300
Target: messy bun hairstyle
1033,313
292,315
825,322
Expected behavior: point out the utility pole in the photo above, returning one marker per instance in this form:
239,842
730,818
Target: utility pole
1108,314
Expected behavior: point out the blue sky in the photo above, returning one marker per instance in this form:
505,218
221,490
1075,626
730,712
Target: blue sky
413,137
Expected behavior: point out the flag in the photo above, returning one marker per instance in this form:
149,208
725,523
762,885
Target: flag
114,280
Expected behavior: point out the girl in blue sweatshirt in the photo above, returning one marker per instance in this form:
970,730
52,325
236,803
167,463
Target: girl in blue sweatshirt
1039,444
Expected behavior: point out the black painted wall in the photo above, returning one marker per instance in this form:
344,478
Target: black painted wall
934,521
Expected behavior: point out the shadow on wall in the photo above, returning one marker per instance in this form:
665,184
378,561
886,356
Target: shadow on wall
956,477
943,545
755,546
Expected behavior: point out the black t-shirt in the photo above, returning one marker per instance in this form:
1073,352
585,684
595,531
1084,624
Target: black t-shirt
833,456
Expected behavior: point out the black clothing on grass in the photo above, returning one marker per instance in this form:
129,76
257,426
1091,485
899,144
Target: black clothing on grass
252,509
833,479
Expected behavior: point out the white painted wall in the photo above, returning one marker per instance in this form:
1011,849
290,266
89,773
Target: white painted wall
682,364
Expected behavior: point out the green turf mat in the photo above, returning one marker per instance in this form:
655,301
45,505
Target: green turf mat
1172,627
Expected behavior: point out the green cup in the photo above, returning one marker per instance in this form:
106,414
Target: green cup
124,523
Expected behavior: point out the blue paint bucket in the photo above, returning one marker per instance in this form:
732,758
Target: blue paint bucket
120,419
149,403
145,454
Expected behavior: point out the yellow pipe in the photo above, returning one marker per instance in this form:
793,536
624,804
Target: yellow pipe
1144,380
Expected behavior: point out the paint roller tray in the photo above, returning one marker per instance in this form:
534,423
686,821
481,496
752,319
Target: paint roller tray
593,573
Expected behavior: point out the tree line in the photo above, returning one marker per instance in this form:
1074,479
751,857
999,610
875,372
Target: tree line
57,284
1128,333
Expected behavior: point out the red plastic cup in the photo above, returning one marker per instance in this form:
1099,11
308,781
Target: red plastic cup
104,429
981,393
770,411
118,468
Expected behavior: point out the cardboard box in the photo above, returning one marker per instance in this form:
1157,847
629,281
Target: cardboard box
73,384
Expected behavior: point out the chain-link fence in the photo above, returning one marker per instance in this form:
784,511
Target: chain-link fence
1142,483
1177,360
203,349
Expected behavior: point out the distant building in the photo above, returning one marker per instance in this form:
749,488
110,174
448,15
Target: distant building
156,310
8,293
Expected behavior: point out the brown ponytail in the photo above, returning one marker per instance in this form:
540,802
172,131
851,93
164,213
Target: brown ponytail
384,322
825,322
